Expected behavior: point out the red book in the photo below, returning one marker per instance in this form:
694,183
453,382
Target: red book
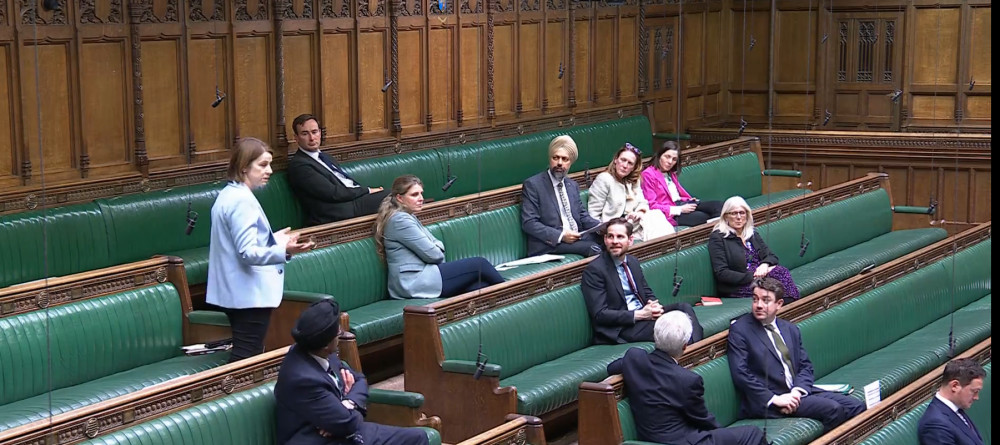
711,301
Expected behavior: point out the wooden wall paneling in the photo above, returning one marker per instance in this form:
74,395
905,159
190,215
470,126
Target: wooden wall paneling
159,86
691,70
748,88
55,101
505,69
626,56
301,73
530,60
8,127
795,61
980,63
442,68
472,78
712,64
935,61
663,59
571,65
410,73
206,69
103,99
373,70
555,67
602,36
393,6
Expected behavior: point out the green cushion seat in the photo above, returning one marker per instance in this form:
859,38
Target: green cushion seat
242,418
95,391
92,350
195,264
382,319
531,269
716,319
756,202
549,385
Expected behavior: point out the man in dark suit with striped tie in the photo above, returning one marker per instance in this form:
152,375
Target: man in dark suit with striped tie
945,421
326,191
321,401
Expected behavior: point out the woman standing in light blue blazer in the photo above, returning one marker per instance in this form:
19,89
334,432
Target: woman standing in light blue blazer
246,261
415,258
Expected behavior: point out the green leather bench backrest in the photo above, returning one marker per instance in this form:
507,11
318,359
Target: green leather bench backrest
147,224
87,340
279,203
52,242
243,418
524,334
351,272
380,172
903,431
692,264
721,398
627,420
489,165
875,319
829,229
719,179
495,235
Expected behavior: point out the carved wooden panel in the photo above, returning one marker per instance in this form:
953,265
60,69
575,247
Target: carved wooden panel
373,100
163,88
103,97
300,84
208,124
52,98
254,107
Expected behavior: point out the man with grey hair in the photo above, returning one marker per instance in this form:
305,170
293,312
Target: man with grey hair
552,214
667,400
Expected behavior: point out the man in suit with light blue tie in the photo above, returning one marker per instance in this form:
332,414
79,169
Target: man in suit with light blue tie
552,214
945,421
326,191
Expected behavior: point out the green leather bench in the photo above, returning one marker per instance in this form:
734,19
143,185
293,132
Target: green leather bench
839,249
78,354
355,276
894,333
903,430
743,177
243,418
51,243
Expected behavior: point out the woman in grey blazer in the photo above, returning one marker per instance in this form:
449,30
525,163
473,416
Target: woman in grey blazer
415,258
246,261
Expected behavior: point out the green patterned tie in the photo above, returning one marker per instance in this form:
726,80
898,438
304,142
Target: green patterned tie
782,348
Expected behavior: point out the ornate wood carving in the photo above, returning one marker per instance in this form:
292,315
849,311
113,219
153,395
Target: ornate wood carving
404,10
435,7
890,31
394,62
137,10
530,5
288,11
88,12
243,12
468,9
3,13
29,13
364,8
643,50
279,68
555,4
657,60
572,56
418,9
307,9
491,111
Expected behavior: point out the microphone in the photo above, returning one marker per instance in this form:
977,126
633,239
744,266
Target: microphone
219,97
450,179
753,42
743,126
803,245
677,284
932,207
972,83
386,86
481,358
192,219
586,173
561,70
825,36
895,95
826,120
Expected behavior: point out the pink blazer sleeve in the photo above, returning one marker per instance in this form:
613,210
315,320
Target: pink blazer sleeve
654,188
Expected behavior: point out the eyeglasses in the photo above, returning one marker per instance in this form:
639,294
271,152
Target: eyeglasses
740,213
633,149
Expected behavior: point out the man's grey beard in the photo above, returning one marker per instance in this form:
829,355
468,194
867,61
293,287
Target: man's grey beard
558,175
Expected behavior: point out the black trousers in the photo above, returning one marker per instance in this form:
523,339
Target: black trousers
368,204
249,329
643,330
701,214
587,245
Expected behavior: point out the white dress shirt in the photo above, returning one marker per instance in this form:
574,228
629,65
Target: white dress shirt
348,182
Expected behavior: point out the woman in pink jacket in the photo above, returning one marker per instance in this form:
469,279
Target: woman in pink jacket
664,192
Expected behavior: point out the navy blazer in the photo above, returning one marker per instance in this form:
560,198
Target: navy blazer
667,400
729,260
308,401
323,197
605,297
756,368
941,426
540,218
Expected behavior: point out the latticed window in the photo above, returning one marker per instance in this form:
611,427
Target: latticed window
865,50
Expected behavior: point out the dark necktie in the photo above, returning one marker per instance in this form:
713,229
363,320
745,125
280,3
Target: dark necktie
631,283
329,162
968,422
782,348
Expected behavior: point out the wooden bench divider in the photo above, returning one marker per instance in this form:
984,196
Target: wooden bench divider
518,429
423,350
715,346
909,397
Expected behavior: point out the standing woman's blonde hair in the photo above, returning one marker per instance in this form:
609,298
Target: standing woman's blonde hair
390,205
733,204
245,152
